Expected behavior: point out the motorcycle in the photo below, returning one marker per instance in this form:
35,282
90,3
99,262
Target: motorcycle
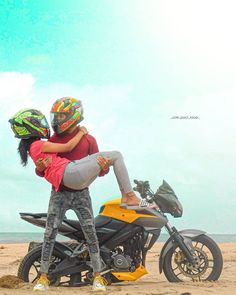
125,236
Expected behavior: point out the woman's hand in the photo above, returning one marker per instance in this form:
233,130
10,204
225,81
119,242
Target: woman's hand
83,129
104,163
42,163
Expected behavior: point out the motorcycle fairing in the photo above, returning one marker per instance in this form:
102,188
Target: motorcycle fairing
131,276
112,209
121,236
109,230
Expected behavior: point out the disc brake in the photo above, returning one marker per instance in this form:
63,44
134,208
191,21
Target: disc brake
199,257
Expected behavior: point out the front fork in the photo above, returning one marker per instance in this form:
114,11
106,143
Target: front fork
186,249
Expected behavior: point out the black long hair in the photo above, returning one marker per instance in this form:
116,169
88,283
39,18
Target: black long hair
23,149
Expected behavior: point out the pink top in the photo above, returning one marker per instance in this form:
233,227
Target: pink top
54,172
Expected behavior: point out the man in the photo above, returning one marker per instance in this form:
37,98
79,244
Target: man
66,114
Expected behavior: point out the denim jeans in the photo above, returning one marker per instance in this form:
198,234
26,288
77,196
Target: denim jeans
59,203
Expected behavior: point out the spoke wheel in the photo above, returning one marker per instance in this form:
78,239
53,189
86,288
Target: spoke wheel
208,262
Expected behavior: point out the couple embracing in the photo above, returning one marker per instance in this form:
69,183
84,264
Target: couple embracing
70,161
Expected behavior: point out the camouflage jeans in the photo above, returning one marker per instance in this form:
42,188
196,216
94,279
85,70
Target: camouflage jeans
59,203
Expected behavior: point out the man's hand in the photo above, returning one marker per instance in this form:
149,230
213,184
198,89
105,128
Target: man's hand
42,163
104,163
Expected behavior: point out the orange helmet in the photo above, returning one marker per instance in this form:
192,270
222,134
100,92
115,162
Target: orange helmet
66,112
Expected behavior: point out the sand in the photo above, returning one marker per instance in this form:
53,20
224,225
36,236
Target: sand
151,284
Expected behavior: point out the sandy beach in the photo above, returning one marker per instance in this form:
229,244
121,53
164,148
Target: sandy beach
151,284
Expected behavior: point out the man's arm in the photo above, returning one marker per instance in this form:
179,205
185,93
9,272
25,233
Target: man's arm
93,149
42,164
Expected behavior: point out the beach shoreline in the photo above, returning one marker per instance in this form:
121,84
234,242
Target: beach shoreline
153,283
26,237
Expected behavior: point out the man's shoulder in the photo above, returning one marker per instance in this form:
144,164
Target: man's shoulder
57,138
89,136
53,137
66,136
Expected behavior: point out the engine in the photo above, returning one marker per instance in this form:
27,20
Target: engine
127,257
121,261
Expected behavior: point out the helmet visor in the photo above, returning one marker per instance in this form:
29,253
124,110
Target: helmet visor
44,122
58,118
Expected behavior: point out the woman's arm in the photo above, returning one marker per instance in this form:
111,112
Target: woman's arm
51,147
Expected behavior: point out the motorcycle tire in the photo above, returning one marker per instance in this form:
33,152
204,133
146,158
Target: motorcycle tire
34,256
211,247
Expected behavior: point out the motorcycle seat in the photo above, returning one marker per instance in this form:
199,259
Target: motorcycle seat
73,223
99,222
35,215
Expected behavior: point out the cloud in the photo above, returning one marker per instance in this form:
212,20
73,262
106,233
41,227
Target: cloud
16,92
103,105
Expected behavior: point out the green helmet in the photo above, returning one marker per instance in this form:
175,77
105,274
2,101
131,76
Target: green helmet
29,123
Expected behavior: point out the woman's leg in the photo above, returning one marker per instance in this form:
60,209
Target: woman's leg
80,174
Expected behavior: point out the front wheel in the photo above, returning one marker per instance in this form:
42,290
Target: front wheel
208,266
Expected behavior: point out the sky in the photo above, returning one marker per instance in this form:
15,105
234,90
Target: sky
140,68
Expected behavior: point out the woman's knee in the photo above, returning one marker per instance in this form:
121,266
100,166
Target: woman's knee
117,155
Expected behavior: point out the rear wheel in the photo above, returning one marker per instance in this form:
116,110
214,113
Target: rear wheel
208,257
29,267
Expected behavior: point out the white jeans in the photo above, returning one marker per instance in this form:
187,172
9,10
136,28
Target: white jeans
81,173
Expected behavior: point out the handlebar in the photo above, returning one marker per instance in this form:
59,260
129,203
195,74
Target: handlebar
143,188
137,182
164,198
139,186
